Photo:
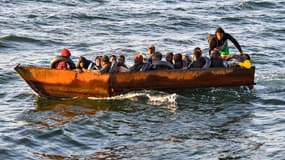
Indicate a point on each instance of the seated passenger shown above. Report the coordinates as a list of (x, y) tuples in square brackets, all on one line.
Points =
[(198, 61), (97, 65), (138, 62), (186, 60), (242, 61), (157, 64), (159, 55), (216, 60), (150, 52), (113, 61), (84, 64), (177, 61), (106, 65), (64, 61), (121, 66), (169, 57)]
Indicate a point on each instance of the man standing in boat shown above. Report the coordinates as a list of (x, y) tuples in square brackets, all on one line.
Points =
[(219, 42)]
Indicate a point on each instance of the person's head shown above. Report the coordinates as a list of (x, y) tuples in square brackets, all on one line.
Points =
[(246, 56), (121, 59), (98, 61), (177, 58), (197, 53), (214, 53), (159, 55), (177, 61), (185, 58), (112, 58), (169, 57), (65, 52), (219, 33), (82, 62), (104, 60), (155, 58), (138, 58), (150, 49)]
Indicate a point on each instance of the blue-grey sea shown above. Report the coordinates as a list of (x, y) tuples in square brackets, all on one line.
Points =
[(211, 123)]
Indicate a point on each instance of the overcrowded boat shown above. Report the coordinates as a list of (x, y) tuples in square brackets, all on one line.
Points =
[(46, 82)]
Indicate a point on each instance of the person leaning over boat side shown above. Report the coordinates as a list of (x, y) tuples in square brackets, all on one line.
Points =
[(216, 60), (242, 61), (198, 61), (64, 61), (138, 62), (84, 64), (121, 66), (219, 41), (106, 65)]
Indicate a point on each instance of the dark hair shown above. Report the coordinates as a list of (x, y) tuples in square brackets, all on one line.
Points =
[(98, 57), (115, 57), (178, 63), (220, 30), (105, 58), (159, 55), (214, 53), (177, 57), (122, 56), (197, 52), (247, 55), (84, 61)]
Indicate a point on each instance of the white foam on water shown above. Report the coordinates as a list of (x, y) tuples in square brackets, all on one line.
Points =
[(154, 98), (130, 95), (167, 101)]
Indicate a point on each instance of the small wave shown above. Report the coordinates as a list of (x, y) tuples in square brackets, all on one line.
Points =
[(232, 19), (3, 45), (11, 39), (15, 38), (91, 17), (6, 77), (256, 4)]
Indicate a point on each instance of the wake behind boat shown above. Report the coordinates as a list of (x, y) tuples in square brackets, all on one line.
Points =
[(56, 83)]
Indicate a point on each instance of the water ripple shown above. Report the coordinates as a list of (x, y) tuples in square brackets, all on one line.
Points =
[(221, 123)]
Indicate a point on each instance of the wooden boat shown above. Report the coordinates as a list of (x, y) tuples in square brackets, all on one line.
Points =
[(70, 83)]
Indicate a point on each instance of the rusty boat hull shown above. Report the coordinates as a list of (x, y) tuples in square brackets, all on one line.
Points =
[(70, 83)]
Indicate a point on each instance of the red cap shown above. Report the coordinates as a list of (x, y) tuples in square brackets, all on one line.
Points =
[(65, 52)]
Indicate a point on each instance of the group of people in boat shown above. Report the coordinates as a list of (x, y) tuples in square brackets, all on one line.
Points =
[(218, 52)]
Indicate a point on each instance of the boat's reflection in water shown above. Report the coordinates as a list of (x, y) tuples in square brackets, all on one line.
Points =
[(58, 112)]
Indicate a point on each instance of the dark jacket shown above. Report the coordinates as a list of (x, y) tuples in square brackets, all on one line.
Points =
[(136, 67), (215, 43), (199, 63), (217, 63), (105, 68)]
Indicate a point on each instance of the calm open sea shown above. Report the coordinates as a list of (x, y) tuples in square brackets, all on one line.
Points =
[(211, 123)]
